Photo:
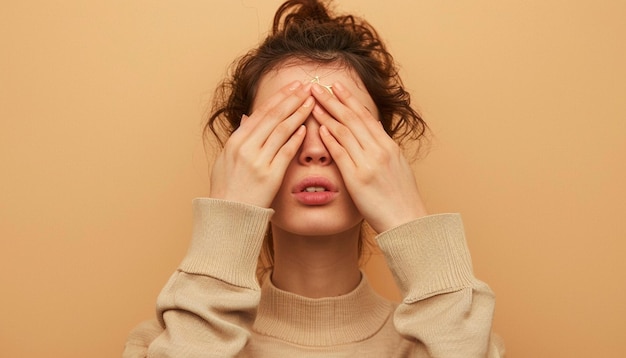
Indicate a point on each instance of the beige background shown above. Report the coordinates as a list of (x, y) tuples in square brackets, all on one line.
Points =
[(100, 156)]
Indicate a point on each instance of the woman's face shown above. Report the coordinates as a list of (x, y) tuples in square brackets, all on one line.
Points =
[(313, 199)]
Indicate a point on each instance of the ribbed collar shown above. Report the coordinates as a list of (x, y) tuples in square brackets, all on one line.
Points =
[(353, 317)]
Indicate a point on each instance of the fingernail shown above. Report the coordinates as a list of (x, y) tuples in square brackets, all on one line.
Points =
[(295, 85), (317, 109), (309, 102), (338, 86), (318, 89)]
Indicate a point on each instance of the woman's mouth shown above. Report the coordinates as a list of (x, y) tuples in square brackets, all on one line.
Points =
[(315, 191)]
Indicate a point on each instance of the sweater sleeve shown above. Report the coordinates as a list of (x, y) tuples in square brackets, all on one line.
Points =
[(444, 306), (207, 307)]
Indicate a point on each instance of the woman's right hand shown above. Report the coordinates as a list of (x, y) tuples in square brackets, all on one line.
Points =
[(251, 166)]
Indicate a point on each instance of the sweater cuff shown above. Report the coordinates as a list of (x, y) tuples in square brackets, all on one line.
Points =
[(428, 256), (226, 241)]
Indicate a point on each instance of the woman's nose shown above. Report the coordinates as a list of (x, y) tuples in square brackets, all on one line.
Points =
[(313, 150)]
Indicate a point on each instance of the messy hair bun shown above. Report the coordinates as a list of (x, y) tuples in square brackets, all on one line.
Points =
[(307, 30)]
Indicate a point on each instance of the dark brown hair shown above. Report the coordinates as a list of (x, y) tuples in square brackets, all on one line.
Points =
[(306, 30)]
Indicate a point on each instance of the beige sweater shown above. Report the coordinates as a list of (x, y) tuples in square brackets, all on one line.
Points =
[(213, 306)]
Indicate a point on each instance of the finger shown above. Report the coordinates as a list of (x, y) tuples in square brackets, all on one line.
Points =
[(288, 151), (339, 153), (341, 134), (272, 101), (367, 118), (248, 123), (345, 96), (354, 118), (277, 109), (282, 133)]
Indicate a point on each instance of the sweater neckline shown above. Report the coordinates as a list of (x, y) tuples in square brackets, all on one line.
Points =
[(348, 318)]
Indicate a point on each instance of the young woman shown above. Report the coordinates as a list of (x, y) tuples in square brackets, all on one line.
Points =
[(313, 119)]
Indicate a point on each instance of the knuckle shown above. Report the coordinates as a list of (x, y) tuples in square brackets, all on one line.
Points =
[(274, 112), (302, 110), (282, 129), (350, 116), (366, 175), (381, 156), (258, 171), (342, 131), (362, 112)]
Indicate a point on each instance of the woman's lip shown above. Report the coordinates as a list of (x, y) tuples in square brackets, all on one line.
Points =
[(315, 197), (314, 181)]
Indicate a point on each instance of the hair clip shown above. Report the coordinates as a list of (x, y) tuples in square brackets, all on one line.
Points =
[(329, 88)]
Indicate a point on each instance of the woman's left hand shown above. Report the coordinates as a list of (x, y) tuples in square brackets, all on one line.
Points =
[(376, 173)]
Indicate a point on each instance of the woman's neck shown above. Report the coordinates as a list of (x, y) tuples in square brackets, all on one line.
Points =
[(316, 266)]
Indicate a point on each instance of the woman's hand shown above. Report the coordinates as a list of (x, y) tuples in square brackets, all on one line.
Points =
[(251, 166), (376, 173)]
